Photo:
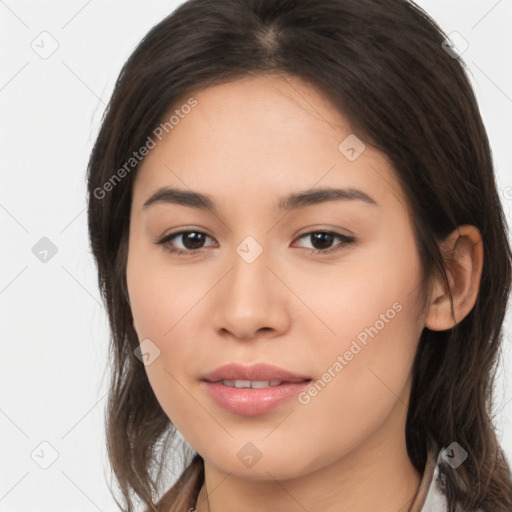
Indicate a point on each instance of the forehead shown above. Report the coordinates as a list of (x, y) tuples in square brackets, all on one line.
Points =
[(265, 113), (257, 135)]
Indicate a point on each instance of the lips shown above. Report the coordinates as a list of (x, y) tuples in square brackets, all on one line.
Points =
[(251, 390), (256, 372)]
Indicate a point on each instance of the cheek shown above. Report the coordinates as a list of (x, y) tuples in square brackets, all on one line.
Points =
[(364, 376), (161, 311), (163, 302), (160, 294), (374, 293), (371, 311), (165, 313)]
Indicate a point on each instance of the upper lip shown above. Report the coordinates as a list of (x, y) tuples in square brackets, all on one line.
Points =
[(255, 372)]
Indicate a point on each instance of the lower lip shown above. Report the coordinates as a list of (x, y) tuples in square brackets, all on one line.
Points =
[(251, 402)]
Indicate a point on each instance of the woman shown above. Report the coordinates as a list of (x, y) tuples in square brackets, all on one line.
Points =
[(352, 373)]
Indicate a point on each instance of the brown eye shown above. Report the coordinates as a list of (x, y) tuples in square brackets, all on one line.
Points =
[(191, 241), (322, 241)]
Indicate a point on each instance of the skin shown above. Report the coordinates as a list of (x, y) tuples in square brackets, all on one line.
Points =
[(247, 144)]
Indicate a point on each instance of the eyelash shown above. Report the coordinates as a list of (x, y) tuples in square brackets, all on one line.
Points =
[(346, 240)]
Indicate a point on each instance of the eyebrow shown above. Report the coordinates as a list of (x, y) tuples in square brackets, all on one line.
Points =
[(294, 201)]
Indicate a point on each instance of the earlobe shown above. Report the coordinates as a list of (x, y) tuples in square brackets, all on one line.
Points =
[(463, 254)]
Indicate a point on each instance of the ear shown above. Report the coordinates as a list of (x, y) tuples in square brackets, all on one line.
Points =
[(463, 253)]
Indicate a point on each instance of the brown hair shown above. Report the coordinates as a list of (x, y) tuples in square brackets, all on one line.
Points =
[(383, 64)]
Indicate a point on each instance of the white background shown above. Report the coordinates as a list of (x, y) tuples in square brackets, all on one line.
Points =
[(54, 327)]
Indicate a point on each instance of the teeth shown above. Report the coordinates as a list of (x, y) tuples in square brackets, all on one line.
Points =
[(251, 383)]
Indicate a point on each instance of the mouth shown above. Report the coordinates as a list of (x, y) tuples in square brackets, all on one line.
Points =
[(252, 390)]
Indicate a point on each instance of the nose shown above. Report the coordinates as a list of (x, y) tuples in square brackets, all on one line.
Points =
[(252, 298)]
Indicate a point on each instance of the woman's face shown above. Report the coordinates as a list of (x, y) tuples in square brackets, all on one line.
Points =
[(249, 287)]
